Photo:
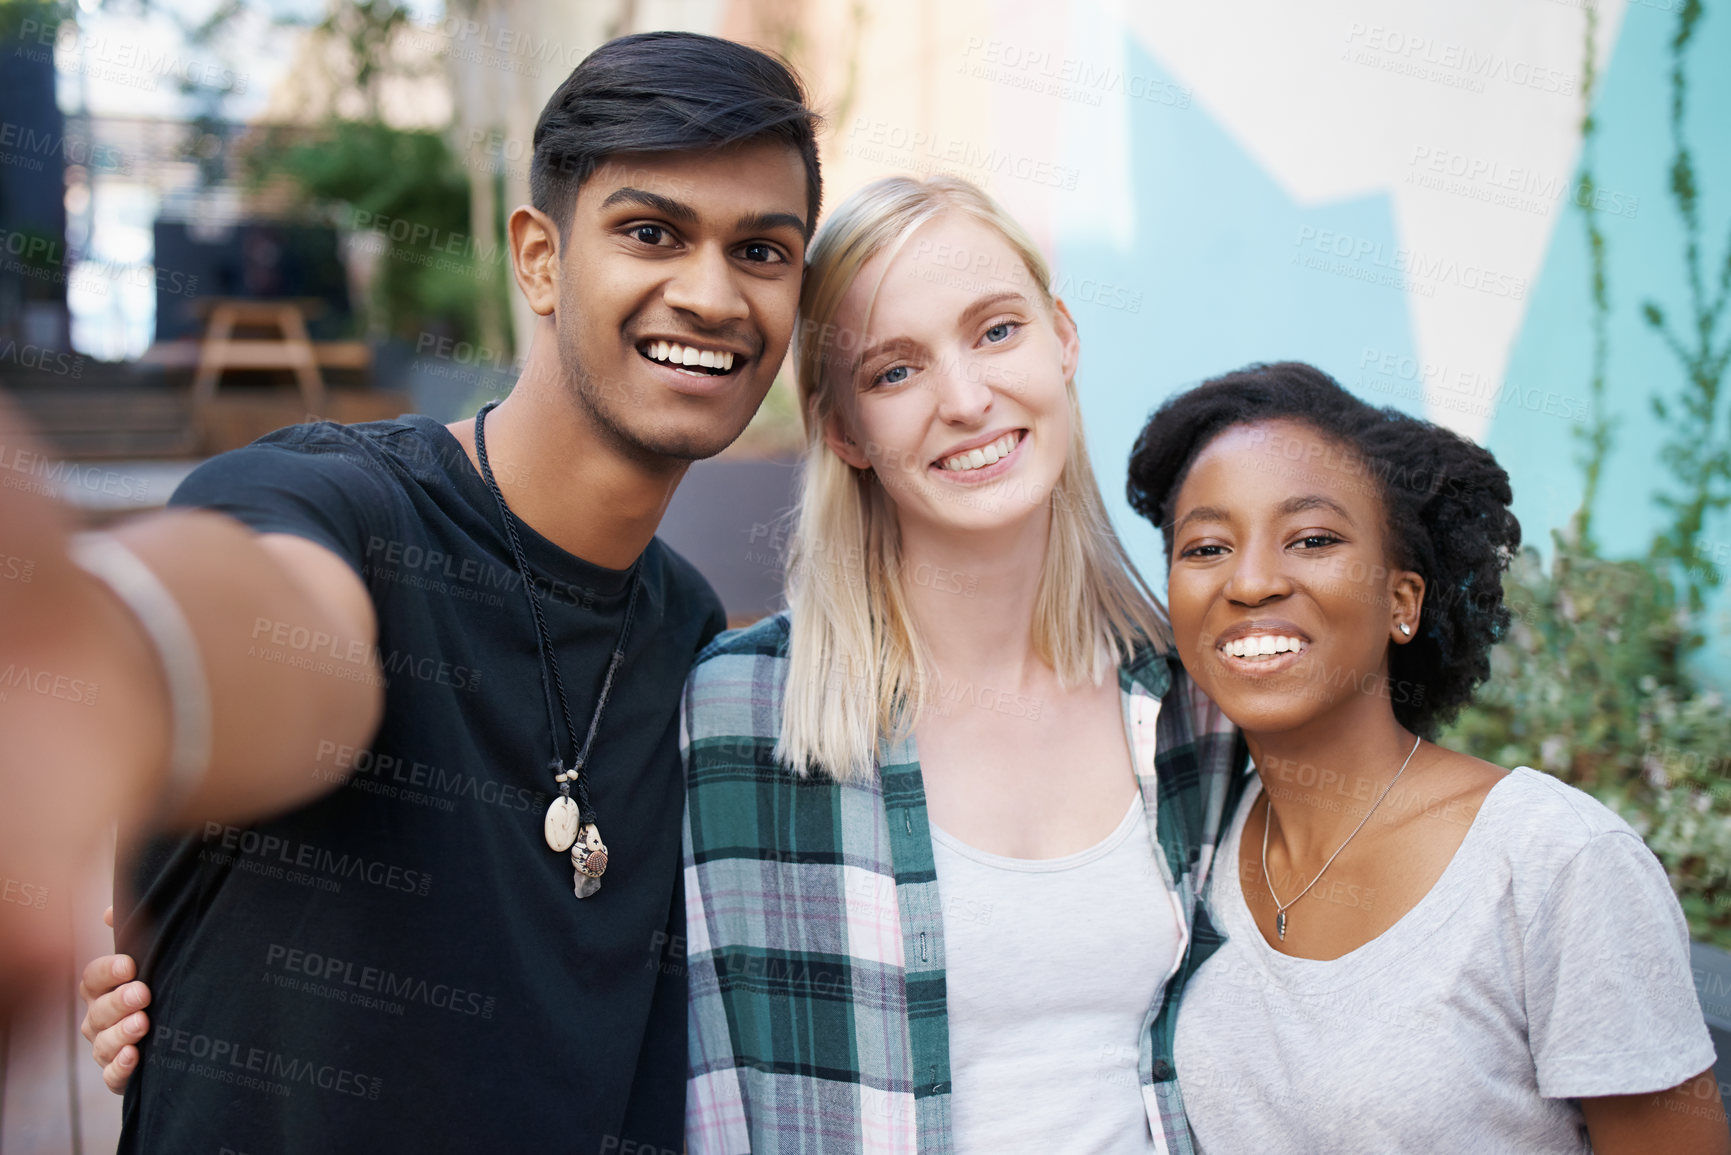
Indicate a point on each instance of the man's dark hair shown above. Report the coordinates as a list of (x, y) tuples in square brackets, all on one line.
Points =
[(667, 92), (1446, 500)]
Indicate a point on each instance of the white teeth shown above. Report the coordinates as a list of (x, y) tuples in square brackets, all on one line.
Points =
[(1262, 646), (677, 354), (983, 456)]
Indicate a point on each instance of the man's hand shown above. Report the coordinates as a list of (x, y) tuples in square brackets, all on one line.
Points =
[(115, 1019)]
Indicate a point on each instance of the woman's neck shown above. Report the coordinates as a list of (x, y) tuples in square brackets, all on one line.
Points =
[(1321, 778), (972, 596)]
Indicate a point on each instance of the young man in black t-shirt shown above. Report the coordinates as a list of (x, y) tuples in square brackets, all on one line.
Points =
[(399, 960)]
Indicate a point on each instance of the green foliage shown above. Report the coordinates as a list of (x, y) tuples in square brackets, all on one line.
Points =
[(1696, 452), (405, 197), (1590, 685), (40, 14), (1593, 683), (401, 194), (365, 29), (1595, 439)]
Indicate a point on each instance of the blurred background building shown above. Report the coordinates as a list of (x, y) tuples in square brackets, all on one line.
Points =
[(1510, 216)]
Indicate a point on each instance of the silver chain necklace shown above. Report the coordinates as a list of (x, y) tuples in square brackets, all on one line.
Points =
[(1280, 908)]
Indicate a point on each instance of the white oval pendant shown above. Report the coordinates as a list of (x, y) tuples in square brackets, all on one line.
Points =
[(560, 825)]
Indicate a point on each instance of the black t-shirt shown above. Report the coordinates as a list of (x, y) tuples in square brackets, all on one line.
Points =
[(401, 965)]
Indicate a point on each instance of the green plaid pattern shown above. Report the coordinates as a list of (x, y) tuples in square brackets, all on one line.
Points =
[(813, 924)]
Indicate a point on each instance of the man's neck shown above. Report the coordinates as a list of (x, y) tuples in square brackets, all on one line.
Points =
[(562, 476)]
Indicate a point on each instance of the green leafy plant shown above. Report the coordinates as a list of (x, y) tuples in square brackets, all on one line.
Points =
[(1590, 685), (401, 194), (1593, 683), (404, 194), (1697, 451), (1596, 437)]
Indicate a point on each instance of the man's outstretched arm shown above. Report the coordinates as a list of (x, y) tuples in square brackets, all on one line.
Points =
[(241, 595), (86, 707)]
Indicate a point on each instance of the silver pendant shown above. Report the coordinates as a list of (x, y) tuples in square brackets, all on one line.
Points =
[(560, 825), (589, 858), (1280, 925)]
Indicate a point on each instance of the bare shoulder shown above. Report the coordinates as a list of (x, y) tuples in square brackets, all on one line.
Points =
[(1455, 785), (1471, 773)]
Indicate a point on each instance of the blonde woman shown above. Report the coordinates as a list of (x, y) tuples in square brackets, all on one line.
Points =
[(949, 814)]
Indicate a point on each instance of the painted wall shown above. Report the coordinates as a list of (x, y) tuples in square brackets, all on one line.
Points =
[(1384, 190), (1644, 250)]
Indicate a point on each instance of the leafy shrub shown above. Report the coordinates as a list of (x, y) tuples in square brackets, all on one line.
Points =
[(406, 198), (1591, 685)]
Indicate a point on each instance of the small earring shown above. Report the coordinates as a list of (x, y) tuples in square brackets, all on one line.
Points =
[(1406, 629)]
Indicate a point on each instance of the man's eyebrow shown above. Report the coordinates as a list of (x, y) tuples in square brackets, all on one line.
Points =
[(1311, 501), (668, 207), (1202, 513), (770, 222)]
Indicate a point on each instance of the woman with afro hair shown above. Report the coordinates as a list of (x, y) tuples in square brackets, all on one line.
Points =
[(1425, 952)]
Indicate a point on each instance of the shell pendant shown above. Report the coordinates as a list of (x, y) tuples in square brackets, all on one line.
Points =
[(589, 857), (1280, 925)]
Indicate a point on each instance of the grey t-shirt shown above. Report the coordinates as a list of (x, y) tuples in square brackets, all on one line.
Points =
[(1549, 963)]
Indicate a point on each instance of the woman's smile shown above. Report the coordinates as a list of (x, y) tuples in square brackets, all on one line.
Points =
[(982, 458), (1261, 648)]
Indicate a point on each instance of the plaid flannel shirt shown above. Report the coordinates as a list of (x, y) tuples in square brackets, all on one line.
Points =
[(814, 930)]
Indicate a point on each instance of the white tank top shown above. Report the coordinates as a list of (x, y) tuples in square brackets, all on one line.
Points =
[(1052, 966)]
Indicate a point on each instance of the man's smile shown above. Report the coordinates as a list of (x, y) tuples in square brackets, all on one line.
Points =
[(692, 359)]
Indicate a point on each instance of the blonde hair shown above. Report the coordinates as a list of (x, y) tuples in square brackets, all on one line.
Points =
[(858, 672)]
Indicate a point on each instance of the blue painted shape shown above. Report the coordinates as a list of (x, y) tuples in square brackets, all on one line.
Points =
[(1644, 251), (1215, 280)]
